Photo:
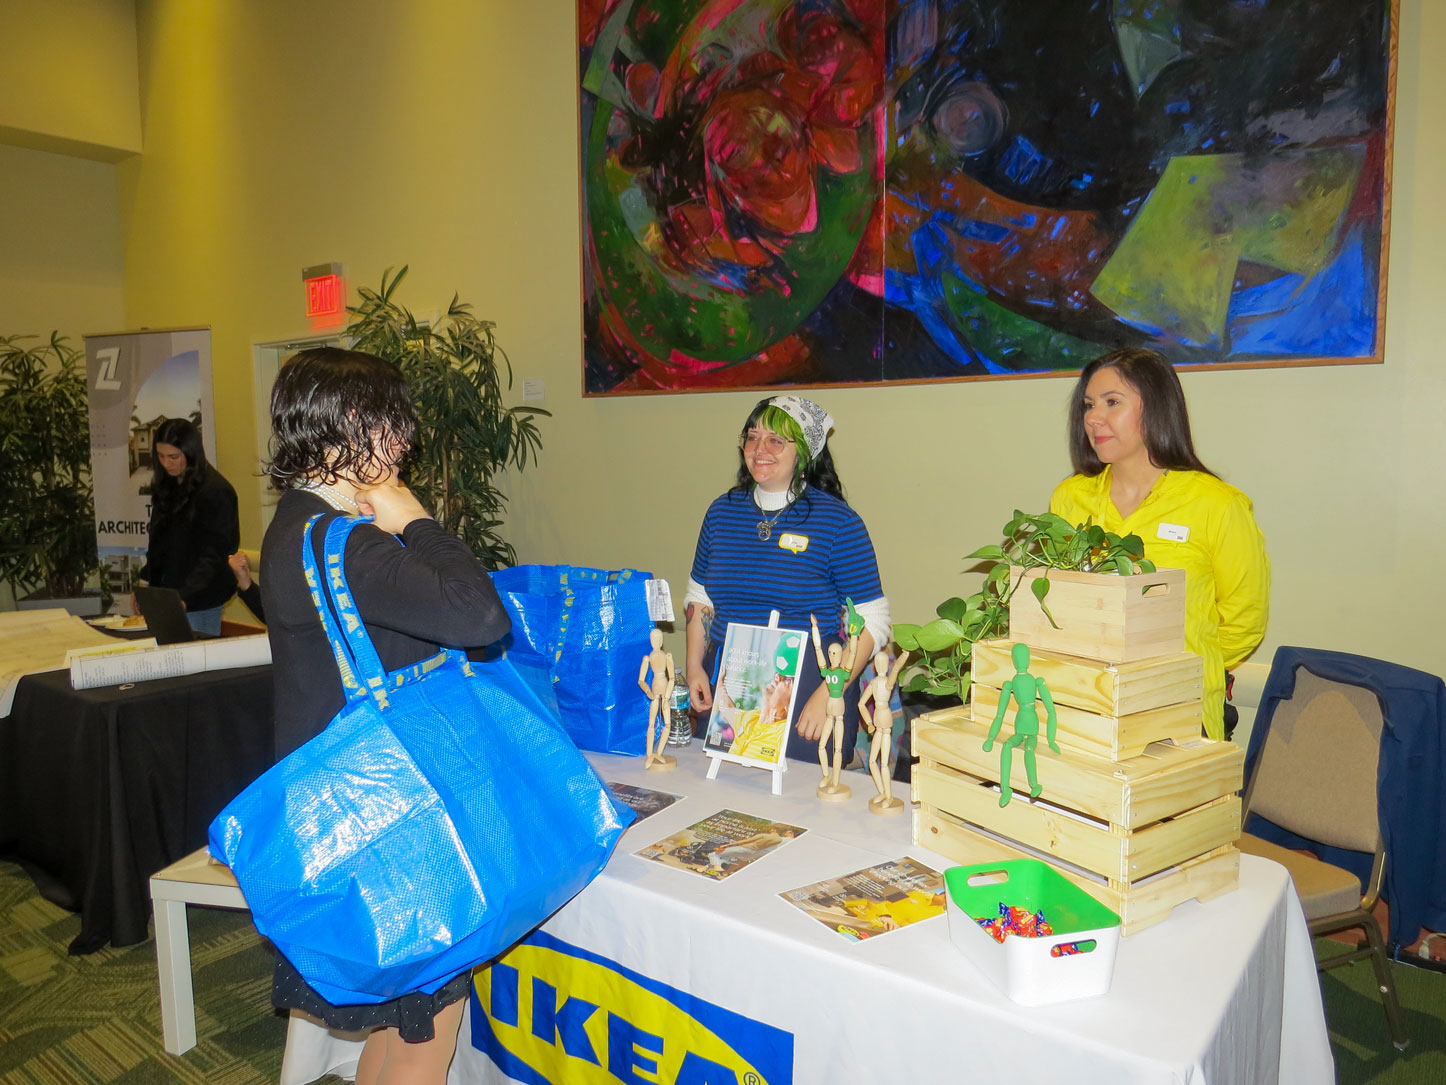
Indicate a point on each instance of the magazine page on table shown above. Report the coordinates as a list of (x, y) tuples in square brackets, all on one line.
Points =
[(722, 844), (873, 901), (644, 802), (754, 694)]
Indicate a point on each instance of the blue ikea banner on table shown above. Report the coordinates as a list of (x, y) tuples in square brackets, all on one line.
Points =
[(550, 1013), (578, 638)]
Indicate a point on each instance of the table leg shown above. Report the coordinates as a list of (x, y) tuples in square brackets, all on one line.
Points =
[(173, 962)]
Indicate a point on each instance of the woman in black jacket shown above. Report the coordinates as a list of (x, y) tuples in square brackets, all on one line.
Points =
[(194, 526)]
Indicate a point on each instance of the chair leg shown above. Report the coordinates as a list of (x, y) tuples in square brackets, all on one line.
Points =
[(1394, 1022)]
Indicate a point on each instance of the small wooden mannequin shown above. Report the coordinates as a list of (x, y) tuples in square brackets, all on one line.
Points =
[(836, 670), (660, 695), (881, 723)]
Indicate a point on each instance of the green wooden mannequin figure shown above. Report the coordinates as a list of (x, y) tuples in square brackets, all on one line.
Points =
[(1026, 689)]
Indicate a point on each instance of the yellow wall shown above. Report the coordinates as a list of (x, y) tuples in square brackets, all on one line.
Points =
[(444, 135), (70, 77), (61, 265)]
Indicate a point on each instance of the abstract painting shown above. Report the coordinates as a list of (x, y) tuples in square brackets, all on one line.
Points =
[(853, 192)]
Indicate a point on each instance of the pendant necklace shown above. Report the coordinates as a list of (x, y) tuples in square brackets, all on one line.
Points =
[(765, 525), (335, 498)]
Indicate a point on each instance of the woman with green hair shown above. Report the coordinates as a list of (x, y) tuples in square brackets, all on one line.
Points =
[(783, 538)]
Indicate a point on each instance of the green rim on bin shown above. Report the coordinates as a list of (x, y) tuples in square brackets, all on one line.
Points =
[(1029, 884)]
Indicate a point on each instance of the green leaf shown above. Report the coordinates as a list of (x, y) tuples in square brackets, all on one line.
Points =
[(986, 553), (907, 636), (939, 635), (1146, 565), (953, 609)]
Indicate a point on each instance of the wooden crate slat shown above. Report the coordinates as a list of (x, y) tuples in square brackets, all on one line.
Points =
[(1110, 689), (1102, 616), (1163, 780), (1139, 905), (1096, 846), (1115, 737)]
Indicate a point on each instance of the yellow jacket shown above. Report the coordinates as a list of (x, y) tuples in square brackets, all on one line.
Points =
[(1196, 522)]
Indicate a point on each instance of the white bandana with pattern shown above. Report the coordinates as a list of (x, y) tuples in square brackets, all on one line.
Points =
[(811, 418)]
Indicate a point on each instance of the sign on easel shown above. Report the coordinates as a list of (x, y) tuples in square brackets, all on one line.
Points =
[(754, 693)]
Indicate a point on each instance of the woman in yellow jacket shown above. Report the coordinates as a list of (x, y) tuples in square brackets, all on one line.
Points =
[(1136, 472)]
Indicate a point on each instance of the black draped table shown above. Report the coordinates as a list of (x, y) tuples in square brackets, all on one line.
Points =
[(100, 788)]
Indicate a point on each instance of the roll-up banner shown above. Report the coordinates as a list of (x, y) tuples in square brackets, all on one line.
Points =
[(137, 380)]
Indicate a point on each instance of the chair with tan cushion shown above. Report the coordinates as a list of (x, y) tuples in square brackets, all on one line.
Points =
[(1315, 776)]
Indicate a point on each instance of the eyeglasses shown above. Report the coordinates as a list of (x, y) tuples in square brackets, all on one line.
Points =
[(771, 443)]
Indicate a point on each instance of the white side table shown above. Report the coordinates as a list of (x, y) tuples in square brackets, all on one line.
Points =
[(192, 880)]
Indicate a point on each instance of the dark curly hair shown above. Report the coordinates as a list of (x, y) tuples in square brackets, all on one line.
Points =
[(1164, 421), (337, 412), (815, 470)]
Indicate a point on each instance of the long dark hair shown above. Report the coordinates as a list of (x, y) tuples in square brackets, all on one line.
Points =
[(169, 496), (814, 470), (1164, 419), (337, 412)]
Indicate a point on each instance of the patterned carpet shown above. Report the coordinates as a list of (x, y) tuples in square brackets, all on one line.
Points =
[(95, 1020)]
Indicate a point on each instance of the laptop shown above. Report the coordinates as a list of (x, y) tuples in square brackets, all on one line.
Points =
[(165, 615)]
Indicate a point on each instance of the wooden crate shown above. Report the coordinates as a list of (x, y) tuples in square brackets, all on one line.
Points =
[(1138, 830), (1111, 689), (1113, 737), (1102, 615), (1139, 904)]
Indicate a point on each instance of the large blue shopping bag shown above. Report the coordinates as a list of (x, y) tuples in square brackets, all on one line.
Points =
[(439, 817), (578, 636)]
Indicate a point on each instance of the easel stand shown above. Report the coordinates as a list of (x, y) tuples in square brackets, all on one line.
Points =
[(717, 758)]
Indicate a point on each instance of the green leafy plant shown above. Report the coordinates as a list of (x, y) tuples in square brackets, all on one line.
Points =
[(47, 507), (467, 437), (944, 646)]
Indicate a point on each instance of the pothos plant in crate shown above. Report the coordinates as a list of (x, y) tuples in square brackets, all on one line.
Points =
[(943, 647)]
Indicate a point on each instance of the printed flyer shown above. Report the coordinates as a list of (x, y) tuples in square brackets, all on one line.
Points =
[(875, 900), (754, 692), (643, 801), (721, 844)]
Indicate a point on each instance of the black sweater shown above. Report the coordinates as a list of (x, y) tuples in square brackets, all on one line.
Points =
[(414, 598), (188, 549)]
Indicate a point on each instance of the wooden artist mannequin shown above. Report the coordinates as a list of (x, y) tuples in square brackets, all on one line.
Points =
[(660, 695), (835, 671), (881, 723)]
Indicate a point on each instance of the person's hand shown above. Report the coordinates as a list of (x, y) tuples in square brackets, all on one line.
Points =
[(240, 569), (391, 505), (699, 691), (814, 717)]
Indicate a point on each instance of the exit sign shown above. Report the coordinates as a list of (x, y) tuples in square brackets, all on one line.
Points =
[(325, 294)]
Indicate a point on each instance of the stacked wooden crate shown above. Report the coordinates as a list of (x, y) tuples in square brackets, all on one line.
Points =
[(1137, 808)]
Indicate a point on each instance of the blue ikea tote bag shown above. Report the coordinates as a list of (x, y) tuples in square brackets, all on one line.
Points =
[(439, 817)]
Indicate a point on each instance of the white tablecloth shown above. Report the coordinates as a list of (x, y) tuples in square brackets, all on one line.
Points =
[(1224, 992)]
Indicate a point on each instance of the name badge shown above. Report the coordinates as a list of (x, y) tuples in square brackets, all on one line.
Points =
[(789, 541), (1172, 532)]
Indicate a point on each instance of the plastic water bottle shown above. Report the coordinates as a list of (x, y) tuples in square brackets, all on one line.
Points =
[(680, 724)]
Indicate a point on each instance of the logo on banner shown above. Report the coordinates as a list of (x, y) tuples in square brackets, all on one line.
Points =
[(549, 1012)]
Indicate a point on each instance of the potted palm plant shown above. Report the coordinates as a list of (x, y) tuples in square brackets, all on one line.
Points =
[(467, 437), (47, 509)]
